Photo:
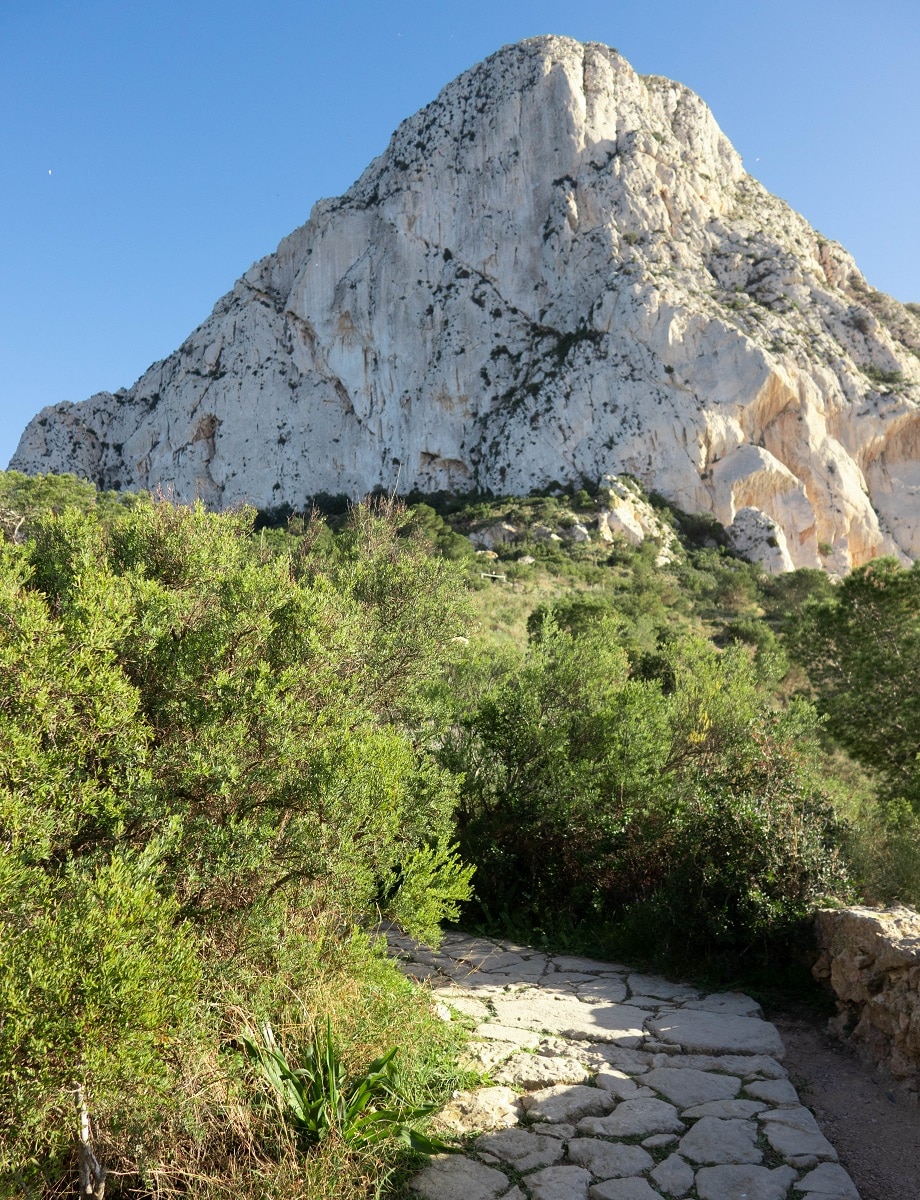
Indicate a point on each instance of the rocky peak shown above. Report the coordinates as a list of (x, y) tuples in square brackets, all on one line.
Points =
[(557, 270)]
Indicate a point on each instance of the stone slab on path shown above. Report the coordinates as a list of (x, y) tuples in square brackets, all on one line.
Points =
[(658, 1092), (699, 1031), (565, 1014)]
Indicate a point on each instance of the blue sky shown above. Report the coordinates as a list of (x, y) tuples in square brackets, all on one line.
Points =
[(151, 150)]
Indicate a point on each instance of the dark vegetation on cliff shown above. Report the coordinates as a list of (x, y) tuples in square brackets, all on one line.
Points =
[(227, 751)]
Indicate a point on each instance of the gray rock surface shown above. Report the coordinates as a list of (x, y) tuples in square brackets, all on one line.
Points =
[(613, 1080), (606, 1160), (774, 1091), (794, 1133), (744, 1183), (745, 1109), (456, 1177), (566, 1103), (531, 1071), (700, 1031), (558, 269), (673, 1176), (635, 1118), (623, 1189), (524, 1151), (559, 1183), (488, 1108), (827, 1179), (685, 1086), (720, 1140), (546, 1009)]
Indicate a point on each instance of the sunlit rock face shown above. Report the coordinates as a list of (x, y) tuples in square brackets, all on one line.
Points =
[(557, 270)]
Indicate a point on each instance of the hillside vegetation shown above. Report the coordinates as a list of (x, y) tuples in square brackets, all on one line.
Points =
[(231, 746)]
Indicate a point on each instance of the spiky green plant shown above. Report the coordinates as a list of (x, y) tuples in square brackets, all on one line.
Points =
[(318, 1099)]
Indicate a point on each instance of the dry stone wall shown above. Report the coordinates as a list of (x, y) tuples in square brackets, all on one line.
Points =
[(871, 960)]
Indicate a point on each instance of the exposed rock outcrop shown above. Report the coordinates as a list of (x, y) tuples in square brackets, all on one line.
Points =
[(557, 269), (626, 514)]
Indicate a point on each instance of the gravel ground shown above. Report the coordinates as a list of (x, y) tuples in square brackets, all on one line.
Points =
[(875, 1131)]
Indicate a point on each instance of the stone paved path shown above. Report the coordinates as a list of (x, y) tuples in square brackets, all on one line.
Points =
[(614, 1085)]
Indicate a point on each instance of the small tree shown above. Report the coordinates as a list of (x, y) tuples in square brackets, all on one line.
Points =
[(861, 649)]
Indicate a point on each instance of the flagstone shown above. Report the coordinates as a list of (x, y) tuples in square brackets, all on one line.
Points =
[(750, 1182), (523, 1150), (567, 1103), (827, 1180), (715, 1140), (685, 1086), (635, 1118), (774, 1091), (608, 1160), (456, 1177), (708, 1032), (559, 1183), (674, 1175)]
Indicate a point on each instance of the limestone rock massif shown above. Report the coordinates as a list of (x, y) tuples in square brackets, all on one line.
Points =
[(557, 270)]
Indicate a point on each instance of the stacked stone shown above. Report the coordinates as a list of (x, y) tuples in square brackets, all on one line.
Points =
[(871, 960), (614, 1085)]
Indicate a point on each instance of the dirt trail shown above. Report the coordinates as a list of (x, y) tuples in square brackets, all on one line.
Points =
[(875, 1131)]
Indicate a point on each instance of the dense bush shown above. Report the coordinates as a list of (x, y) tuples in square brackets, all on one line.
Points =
[(672, 804), (205, 752)]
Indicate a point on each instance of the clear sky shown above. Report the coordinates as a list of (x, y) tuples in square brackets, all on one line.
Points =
[(151, 150)]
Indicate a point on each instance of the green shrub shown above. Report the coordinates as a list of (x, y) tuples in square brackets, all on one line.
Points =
[(201, 744), (594, 794), (98, 988)]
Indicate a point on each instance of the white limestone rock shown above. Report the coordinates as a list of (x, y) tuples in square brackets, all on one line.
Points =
[(524, 1151), (775, 1091), (486, 1109), (721, 1140), (561, 1104), (673, 1176), (533, 1071), (557, 270), (685, 1086), (828, 1179), (626, 514), (623, 1189), (545, 1009), (500, 534), (794, 1133), (606, 1160), (761, 539), (704, 1032), (637, 1117), (559, 1183)]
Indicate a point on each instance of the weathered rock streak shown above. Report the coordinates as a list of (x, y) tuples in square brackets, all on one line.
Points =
[(558, 269)]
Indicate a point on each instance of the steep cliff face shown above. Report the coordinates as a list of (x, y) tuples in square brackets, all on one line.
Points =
[(557, 270)]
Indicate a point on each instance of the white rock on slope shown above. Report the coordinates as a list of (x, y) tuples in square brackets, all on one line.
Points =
[(557, 269)]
